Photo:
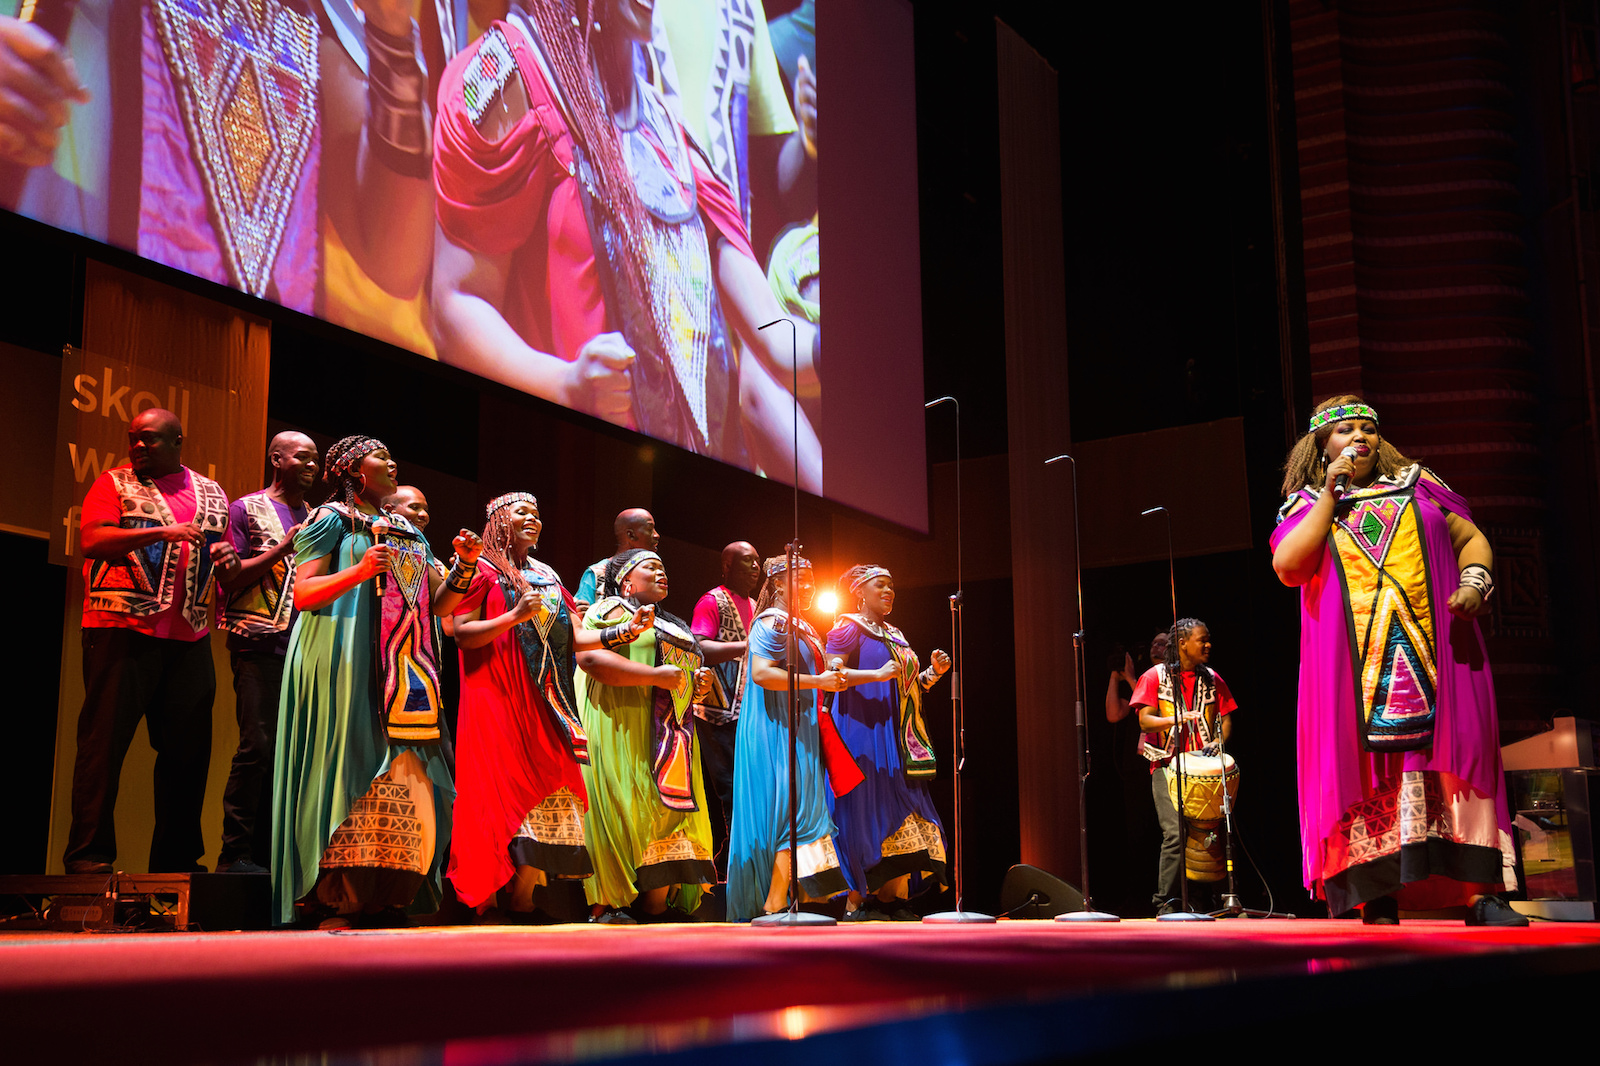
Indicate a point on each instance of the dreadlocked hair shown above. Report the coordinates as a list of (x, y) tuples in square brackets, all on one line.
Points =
[(1307, 459), (500, 548), (341, 469), (567, 35), (1175, 636)]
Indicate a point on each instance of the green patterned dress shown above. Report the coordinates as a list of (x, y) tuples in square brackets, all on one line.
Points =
[(637, 841), (345, 801)]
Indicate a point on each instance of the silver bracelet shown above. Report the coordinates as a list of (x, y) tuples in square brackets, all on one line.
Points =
[(1477, 576)]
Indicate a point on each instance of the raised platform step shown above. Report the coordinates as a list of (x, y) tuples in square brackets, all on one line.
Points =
[(197, 902)]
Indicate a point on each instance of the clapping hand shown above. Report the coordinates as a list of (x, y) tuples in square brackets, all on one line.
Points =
[(940, 663), (644, 618), (527, 605), (468, 546), (702, 683), (223, 555)]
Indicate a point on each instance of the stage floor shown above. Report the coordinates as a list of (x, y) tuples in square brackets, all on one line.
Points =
[(1017, 991)]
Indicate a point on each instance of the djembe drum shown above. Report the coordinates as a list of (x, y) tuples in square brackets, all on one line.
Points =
[(1204, 778)]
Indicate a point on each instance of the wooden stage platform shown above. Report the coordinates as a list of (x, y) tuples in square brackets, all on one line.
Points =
[(1018, 991)]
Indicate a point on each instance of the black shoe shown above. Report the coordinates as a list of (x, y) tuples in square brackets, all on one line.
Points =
[(1492, 910), (240, 866), (89, 866), (388, 918), (613, 916), (902, 913), (1381, 911)]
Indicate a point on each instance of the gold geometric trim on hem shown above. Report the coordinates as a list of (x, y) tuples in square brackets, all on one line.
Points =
[(675, 848), (915, 834), (391, 825), (558, 819)]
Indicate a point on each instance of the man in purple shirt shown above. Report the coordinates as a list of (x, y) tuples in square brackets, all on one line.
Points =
[(724, 614), (257, 613)]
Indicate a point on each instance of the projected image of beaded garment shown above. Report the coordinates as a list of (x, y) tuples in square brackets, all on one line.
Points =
[(647, 827), (1401, 792), (890, 839), (361, 792), (520, 797), (565, 183), (222, 137)]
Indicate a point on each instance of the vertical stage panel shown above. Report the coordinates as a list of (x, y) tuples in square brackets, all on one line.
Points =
[(1416, 276), (1045, 601), (149, 345)]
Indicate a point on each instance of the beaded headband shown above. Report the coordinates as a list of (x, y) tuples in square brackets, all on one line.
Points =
[(507, 500), (356, 450), (633, 564), (780, 563), (872, 572), (1340, 413)]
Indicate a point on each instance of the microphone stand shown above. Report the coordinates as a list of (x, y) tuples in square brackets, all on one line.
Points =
[(957, 705), (794, 916), (1179, 729), (1089, 913)]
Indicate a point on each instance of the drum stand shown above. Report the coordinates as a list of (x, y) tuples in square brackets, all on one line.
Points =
[(1231, 907)]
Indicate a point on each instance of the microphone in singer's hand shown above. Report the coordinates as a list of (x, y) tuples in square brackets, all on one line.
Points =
[(380, 535), (1341, 484)]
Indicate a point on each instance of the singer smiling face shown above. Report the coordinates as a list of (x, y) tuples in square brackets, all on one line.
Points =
[(1362, 435)]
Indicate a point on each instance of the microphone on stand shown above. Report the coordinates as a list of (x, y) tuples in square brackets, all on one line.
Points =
[(380, 535), (1341, 484)]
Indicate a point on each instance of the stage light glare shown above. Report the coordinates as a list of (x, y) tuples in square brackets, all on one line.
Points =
[(828, 602)]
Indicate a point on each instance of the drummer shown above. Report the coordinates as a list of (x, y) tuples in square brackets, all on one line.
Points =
[(1202, 709)]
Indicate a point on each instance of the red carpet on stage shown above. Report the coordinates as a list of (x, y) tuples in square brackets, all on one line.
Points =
[(483, 995)]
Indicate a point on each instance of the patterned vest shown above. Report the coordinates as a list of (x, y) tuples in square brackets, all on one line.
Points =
[(265, 607), (1169, 701), (144, 582), (727, 695)]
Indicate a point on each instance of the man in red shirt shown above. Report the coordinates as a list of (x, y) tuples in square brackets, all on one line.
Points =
[(152, 532), (1204, 707)]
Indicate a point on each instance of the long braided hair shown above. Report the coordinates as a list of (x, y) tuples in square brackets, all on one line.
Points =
[(566, 30), (775, 578), (342, 470), (500, 538), (1307, 460)]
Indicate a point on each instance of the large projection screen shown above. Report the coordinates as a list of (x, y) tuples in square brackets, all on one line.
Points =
[(597, 202)]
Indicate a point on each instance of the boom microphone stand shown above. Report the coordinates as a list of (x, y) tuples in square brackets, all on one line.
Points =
[(957, 703), (1184, 915), (1089, 913), (794, 916)]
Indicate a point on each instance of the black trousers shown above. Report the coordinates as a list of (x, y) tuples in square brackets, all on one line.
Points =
[(716, 762), (247, 798), (170, 684), (1170, 871)]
